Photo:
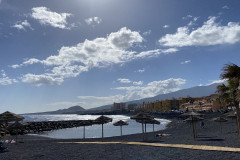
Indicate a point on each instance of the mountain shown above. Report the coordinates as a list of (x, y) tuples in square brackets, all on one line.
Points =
[(70, 110), (198, 91)]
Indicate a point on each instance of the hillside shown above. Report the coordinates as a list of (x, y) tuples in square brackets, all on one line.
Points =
[(70, 110), (197, 91)]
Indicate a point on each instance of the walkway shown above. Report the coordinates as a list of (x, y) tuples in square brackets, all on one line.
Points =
[(197, 147)]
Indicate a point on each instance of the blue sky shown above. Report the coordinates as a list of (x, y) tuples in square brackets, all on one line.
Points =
[(56, 54)]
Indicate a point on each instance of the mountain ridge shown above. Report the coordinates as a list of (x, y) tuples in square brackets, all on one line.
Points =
[(197, 91)]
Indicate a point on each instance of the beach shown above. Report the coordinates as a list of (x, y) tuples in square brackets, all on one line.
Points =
[(178, 132)]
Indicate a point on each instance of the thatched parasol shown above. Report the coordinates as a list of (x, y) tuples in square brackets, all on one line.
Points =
[(152, 121), (85, 123), (120, 123), (102, 120), (193, 118), (16, 126), (9, 117), (220, 120), (142, 118)]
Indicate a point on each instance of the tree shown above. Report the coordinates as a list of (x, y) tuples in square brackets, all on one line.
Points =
[(231, 72)]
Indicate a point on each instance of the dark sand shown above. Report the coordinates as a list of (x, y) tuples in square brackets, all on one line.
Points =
[(35, 147)]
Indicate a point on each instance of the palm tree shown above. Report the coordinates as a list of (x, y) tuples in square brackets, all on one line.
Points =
[(231, 72)]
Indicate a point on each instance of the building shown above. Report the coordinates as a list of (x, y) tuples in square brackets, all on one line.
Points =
[(118, 106)]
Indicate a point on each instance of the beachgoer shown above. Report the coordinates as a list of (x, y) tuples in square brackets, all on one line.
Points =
[(2, 147), (201, 124)]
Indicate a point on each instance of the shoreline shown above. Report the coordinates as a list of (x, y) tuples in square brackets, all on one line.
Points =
[(35, 147)]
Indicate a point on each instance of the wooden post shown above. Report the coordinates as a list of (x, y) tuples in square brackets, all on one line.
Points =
[(193, 128), (102, 130), (83, 132), (121, 130), (5, 131)]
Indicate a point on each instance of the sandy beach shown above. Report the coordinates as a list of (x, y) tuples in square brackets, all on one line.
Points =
[(35, 147)]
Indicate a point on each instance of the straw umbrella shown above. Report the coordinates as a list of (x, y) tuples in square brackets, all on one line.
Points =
[(153, 121), (142, 118), (220, 120), (193, 120), (85, 123), (9, 117), (120, 123), (102, 120), (16, 126)]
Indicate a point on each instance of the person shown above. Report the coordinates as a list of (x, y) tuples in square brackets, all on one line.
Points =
[(201, 124), (2, 147)]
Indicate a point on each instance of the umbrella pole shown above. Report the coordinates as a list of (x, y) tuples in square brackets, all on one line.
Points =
[(143, 130), (145, 127), (121, 130), (153, 127), (83, 132), (221, 126), (102, 130), (193, 129), (5, 131), (16, 136)]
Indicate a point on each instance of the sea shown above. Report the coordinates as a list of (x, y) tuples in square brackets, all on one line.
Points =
[(94, 131)]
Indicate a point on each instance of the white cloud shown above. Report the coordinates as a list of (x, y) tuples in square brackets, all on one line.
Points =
[(187, 17), (22, 25), (124, 80), (46, 17), (210, 33), (124, 38), (217, 81), (93, 21), (185, 62), (141, 70), (225, 7), (152, 89), (73, 60), (5, 80), (156, 52), (134, 92), (166, 26), (139, 83), (147, 33), (96, 53)]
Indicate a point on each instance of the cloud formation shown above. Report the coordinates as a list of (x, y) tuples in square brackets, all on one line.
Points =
[(22, 25), (46, 17), (185, 62), (93, 21), (124, 80), (5, 80), (166, 26), (96, 53), (210, 33), (135, 92), (225, 7), (152, 89)]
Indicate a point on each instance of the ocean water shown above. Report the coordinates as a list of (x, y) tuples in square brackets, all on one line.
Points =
[(94, 131)]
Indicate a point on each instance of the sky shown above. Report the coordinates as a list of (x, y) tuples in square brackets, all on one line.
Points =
[(57, 54)]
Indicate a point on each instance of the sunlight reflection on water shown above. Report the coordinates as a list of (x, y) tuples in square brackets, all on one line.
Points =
[(93, 131)]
